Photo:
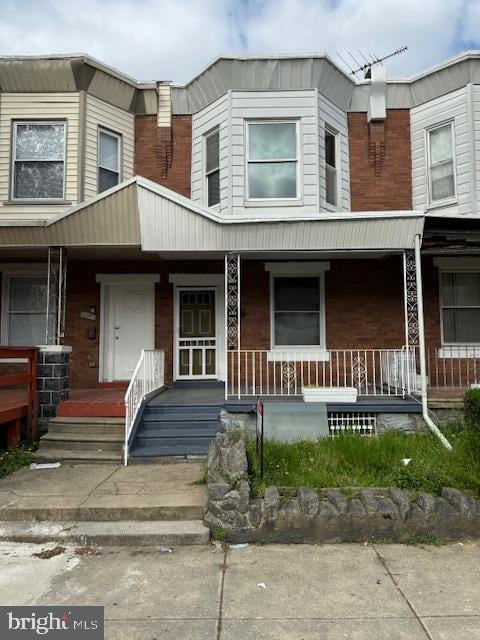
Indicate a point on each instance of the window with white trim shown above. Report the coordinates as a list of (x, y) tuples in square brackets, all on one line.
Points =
[(460, 307), (331, 166), (272, 160), (38, 157), (108, 159), (25, 309), (212, 167), (297, 314), (441, 166)]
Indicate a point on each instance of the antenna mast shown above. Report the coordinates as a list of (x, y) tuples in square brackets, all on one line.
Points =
[(367, 66)]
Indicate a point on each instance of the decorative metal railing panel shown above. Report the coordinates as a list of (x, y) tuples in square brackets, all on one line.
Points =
[(373, 372), (149, 375)]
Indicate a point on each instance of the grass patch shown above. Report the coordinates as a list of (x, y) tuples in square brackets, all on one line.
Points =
[(422, 539), (353, 461), (14, 459)]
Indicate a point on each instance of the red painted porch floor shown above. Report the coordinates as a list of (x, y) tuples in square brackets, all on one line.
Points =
[(94, 403)]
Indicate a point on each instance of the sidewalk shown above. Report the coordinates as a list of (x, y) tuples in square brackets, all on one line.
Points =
[(273, 592)]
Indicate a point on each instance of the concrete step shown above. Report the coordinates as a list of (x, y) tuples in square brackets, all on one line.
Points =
[(82, 442), (121, 533), (176, 448), (70, 456), (87, 425), (108, 508), (194, 408)]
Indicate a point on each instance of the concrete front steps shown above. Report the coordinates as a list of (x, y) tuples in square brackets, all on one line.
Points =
[(82, 440), (122, 533)]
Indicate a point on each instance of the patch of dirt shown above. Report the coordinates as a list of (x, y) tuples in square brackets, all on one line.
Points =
[(86, 551), (49, 553)]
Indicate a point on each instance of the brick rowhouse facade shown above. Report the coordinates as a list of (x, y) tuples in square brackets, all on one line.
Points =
[(363, 298)]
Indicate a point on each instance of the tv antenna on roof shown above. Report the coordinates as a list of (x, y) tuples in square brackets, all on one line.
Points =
[(368, 63)]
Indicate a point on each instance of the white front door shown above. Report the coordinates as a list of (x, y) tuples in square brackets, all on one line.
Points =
[(129, 327)]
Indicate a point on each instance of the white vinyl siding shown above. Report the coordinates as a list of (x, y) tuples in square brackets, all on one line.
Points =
[(453, 108), (34, 107), (333, 118), (276, 105), (215, 116), (100, 114)]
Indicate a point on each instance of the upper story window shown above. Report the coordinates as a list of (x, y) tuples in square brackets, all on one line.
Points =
[(441, 166), (38, 160), (108, 159), (272, 160), (460, 306), (212, 167), (331, 167)]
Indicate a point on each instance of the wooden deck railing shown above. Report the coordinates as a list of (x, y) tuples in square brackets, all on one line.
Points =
[(18, 392)]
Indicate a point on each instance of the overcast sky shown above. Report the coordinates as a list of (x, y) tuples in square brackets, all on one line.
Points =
[(175, 39)]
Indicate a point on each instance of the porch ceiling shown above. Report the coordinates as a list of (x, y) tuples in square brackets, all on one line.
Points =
[(144, 214)]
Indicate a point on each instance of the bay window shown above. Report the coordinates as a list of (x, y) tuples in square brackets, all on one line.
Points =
[(212, 167), (108, 159), (38, 154), (460, 307), (330, 166), (272, 160), (441, 166)]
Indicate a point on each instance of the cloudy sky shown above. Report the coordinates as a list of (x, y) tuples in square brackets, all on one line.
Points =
[(175, 39)]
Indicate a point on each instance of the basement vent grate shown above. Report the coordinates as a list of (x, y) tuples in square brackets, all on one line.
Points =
[(363, 424)]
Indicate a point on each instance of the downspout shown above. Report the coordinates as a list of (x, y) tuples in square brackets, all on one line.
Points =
[(423, 360)]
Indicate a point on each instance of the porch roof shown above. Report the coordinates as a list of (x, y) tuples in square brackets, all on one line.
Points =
[(141, 213)]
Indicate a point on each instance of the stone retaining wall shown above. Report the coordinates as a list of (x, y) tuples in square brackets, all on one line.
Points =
[(330, 515)]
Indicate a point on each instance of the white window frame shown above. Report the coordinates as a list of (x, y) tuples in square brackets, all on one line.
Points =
[(297, 160), (118, 136), (29, 272), (298, 270), (332, 131), (450, 199), (451, 347), (206, 173), (15, 124)]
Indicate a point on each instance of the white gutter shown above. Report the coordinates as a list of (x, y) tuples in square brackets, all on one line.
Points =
[(423, 360)]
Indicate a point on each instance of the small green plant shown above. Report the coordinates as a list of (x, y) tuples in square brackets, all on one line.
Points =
[(471, 405), (14, 459), (203, 475), (220, 534), (423, 539)]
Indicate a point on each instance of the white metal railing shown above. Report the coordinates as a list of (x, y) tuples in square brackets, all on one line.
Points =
[(373, 372), (148, 376), (453, 367)]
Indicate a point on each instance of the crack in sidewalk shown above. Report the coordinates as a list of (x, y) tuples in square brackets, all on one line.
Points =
[(383, 562), (220, 604)]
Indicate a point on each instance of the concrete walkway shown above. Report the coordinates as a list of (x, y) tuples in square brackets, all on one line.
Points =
[(271, 592), (103, 492)]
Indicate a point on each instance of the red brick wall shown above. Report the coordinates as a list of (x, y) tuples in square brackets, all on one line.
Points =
[(389, 185), (364, 306), (164, 155)]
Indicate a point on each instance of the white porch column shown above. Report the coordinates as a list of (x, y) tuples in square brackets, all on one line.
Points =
[(232, 320), (56, 289)]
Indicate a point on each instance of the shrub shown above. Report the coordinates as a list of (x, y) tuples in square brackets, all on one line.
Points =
[(471, 404)]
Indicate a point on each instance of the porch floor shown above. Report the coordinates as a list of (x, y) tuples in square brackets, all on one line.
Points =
[(98, 403)]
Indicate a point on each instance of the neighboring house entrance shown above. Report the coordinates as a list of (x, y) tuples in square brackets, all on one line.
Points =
[(127, 323), (199, 331)]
